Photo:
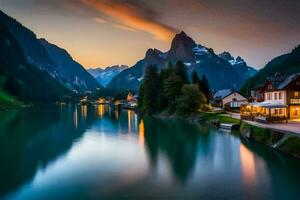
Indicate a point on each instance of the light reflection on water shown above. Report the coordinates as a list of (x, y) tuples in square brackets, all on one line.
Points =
[(95, 152)]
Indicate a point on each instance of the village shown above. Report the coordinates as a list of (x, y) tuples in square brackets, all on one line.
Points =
[(274, 105)]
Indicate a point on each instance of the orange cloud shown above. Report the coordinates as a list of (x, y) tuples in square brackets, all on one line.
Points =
[(99, 20), (126, 28), (129, 15)]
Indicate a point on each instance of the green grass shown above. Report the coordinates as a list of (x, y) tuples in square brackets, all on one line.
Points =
[(7, 101), (258, 134), (208, 116)]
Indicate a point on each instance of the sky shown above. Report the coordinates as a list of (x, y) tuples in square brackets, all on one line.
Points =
[(100, 33)]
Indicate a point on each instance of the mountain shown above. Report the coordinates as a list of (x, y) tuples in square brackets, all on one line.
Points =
[(74, 75), (49, 58), (286, 64), (104, 76), (222, 71), (34, 84), (33, 51)]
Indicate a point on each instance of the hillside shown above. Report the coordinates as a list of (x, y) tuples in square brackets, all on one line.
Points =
[(222, 71), (74, 75), (49, 58), (286, 64), (35, 84)]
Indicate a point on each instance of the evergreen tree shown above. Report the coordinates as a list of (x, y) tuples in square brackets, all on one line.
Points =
[(141, 95), (172, 89), (195, 78), (180, 70), (170, 65), (204, 87), (12, 86), (150, 90)]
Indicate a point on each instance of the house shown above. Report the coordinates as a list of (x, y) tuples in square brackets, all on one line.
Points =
[(257, 94), (229, 98), (281, 96), (131, 98), (131, 102)]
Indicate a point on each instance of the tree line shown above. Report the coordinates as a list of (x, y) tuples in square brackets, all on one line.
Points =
[(172, 91)]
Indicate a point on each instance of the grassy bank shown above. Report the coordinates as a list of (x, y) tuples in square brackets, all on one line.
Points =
[(273, 139), (265, 136), (203, 117)]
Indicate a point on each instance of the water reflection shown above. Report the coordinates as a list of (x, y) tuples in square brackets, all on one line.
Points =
[(142, 133), (248, 167), (93, 152)]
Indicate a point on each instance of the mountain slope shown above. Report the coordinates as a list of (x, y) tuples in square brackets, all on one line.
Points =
[(35, 84), (73, 74), (286, 64), (53, 60), (104, 76), (34, 52), (221, 71)]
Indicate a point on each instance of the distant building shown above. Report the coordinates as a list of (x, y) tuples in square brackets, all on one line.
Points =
[(281, 99), (131, 102), (228, 98), (130, 97)]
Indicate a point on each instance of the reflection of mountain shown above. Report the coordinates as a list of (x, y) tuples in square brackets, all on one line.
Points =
[(177, 140), (37, 144)]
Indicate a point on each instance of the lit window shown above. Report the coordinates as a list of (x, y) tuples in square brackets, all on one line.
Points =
[(296, 94)]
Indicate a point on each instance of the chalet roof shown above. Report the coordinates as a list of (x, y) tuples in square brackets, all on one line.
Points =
[(276, 80), (221, 94), (279, 82), (287, 81)]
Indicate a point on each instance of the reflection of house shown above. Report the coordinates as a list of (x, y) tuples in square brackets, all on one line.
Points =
[(228, 98), (281, 99)]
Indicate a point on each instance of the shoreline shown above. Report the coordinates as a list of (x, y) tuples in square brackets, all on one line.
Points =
[(288, 143)]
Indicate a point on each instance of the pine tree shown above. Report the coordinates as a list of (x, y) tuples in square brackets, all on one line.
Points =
[(172, 89), (180, 70), (195, 78), (204, 87), (150, 89)]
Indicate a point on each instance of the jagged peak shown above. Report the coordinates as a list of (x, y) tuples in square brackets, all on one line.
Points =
[(151, 55), (182, 36), (182, 33), (239, 59), (226, 56)]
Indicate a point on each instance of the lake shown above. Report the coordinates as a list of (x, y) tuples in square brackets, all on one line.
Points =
[(82, 152)]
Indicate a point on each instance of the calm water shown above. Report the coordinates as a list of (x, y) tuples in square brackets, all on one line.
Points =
[(93, 153)]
